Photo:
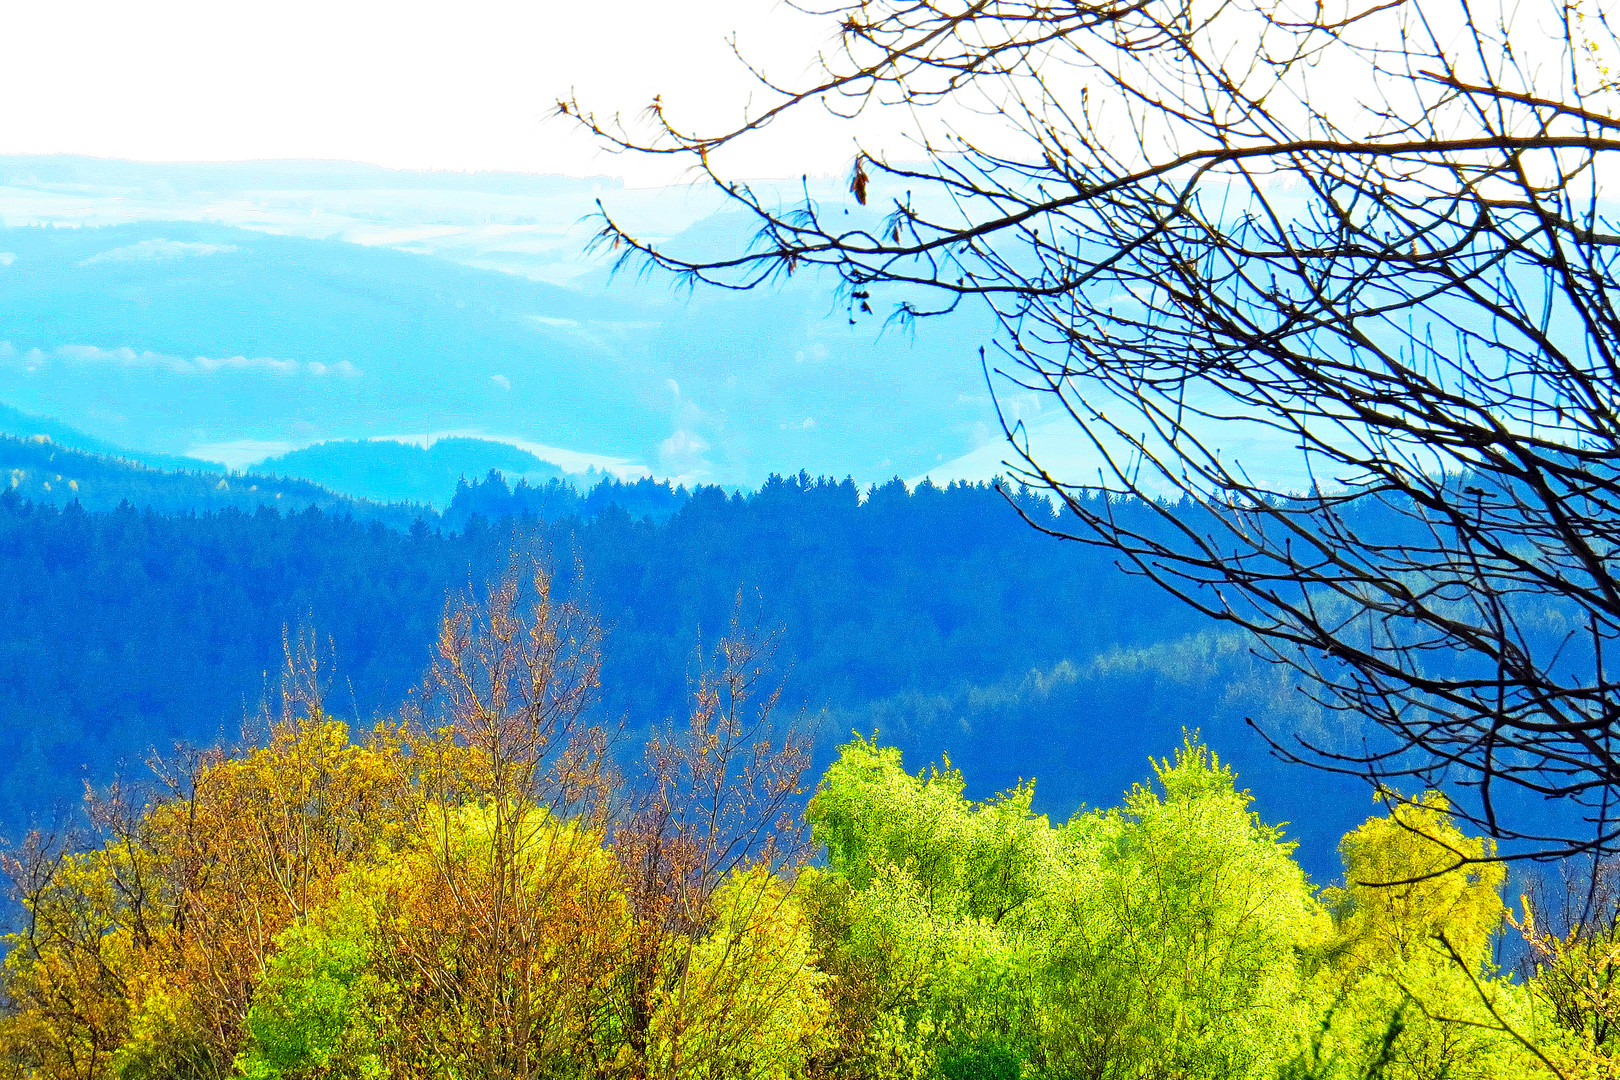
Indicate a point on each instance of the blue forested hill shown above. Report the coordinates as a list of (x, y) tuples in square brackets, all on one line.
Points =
[(935, 616), (38, 470), (383, 472), (386, 470), (26, 426), (41, 470)]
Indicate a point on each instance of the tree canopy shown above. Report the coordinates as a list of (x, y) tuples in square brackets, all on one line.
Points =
[(400, 905)]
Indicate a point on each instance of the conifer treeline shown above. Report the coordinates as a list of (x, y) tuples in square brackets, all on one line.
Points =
[(129, 629)]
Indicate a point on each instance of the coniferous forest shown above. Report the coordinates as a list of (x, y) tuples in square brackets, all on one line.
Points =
[(935, 617)]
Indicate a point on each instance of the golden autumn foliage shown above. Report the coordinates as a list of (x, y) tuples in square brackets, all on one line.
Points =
[(453, 894)]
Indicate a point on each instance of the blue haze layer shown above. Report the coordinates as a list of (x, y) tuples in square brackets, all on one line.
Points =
[(238, 312)]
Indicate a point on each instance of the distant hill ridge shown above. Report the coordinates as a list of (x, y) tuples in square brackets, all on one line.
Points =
[(24, 425), (39, 470), (387, 470), (347, 475)]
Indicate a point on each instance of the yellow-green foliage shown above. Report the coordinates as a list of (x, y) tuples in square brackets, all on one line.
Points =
[(322, 908), (1410, 956), (750, 1001), (1163, 936), (1183, 934), (1415, 883), (1576, 977)]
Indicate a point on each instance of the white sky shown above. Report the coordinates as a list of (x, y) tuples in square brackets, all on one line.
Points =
[(463, 85)]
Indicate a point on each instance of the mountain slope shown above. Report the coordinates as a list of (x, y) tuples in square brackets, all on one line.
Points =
[(240, 312), (37, 470), (386, 470), (21, 425)]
